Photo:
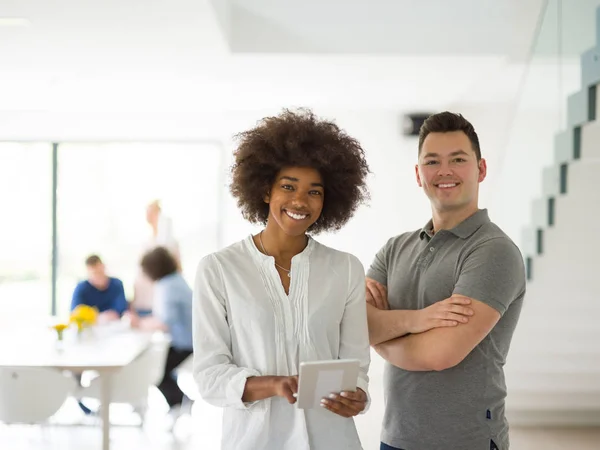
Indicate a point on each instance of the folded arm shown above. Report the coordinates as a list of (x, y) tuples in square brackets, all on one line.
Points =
[(440, 348), (492, 272), (385, 325)]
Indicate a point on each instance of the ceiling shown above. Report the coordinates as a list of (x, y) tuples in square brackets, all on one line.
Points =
[(398, 27), (220, 55)]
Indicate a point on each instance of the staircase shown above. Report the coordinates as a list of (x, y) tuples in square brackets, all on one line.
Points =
[(553, 369)]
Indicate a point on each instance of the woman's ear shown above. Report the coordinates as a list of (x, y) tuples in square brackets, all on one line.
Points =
[(267, 197)]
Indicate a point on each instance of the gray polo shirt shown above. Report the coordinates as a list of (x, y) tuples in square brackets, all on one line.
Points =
[(461, 408)]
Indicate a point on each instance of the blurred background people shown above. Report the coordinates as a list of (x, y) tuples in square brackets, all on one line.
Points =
[(100, 291), (172, 314), (161, 235)]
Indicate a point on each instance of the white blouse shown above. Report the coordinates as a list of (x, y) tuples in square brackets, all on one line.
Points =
[(245, 325)]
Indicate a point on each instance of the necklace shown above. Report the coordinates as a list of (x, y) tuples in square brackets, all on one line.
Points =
[(289, 272)]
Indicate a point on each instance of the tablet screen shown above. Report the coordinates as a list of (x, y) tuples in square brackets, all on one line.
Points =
[(320, 378)]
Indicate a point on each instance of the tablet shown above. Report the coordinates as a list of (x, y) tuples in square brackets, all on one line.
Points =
[(318, 379)]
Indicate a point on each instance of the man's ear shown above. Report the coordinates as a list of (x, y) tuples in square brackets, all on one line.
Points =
[(482, 170), (418, 175)]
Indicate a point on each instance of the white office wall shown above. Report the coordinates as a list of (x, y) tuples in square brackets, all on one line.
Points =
[(516, 151)]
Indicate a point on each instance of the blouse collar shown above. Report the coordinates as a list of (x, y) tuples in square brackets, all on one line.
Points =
[(262, 258)]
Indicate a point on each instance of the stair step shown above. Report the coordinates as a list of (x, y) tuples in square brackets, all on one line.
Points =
[(531, 416), (563, 146), (553, 295), (551, 181), (590, 140), (547, 364), (536, 323), (545, 313), (555, 361), (581, 141), (539, 213), (556, 178), (590, 67), (535, 343), (528, 240), (577, 108), (582, 178), (535, 381), (566, 271), (552, 400)]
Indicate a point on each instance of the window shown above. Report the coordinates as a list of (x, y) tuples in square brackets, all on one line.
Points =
[(26, 230), (103, 190)]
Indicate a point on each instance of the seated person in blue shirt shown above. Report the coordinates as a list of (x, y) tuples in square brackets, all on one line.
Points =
[(101, 291), (172, 313)]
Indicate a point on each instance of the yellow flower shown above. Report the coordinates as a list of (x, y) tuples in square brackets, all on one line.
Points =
[(84, 315), (60, 327)]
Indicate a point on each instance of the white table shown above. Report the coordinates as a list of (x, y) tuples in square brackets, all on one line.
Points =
[(104, 350)]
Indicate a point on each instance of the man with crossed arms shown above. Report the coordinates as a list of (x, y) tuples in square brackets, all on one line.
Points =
[(443, 303)]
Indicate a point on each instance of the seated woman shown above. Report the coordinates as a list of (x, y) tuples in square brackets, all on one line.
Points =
[(278, 298), (172, 313)]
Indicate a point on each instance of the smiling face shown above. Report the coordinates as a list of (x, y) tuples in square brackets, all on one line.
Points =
[(296, 199), (448, 171)]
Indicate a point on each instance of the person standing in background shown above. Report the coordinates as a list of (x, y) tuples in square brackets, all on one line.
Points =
[(162, 236)]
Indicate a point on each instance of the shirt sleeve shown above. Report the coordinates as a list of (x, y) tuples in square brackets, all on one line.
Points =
[(165, 305), (379, 267), (120, 304), (220, 382), (493, 273), (354, 333), (77, 296)]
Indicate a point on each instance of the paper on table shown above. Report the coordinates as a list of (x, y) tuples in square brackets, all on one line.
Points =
[(328, 382)]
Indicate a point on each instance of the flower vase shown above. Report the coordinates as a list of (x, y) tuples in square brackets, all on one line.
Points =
[(59, 344)]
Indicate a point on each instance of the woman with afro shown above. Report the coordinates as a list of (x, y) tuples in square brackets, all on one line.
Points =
[(265, 304)]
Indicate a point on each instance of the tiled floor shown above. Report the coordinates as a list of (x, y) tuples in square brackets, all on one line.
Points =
[(84, 438), (202, 432), (555, 439)]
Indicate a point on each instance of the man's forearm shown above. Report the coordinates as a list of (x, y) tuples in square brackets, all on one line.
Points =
[(428, 351), (385, 325), (405, 353)]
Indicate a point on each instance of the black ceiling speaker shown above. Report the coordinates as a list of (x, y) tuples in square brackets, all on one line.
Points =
[(411, 123)]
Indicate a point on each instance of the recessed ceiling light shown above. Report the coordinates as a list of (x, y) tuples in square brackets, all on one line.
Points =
[(14, 22)]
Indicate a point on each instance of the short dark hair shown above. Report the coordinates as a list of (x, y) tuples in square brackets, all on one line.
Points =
[(446, 122), (300, 139), (158, 263), (92, 260)]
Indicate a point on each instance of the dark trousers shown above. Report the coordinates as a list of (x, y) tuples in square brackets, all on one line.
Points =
[(168, 386), (388, 447)]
